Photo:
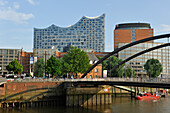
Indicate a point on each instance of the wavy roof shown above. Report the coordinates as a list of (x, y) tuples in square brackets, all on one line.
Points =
[(71, 25)]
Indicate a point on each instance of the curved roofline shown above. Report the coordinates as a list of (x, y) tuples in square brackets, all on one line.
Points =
[(132, 25), (94, 17), (73, 24)]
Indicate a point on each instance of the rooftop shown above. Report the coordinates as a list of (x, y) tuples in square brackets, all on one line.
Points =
[(133, 26)]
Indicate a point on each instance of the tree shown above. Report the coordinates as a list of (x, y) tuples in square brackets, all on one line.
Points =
[(39, 67), (129, 72), (153, 67), (113, 61), (104, 64), (15, 67), (76, 61), (53, 66)]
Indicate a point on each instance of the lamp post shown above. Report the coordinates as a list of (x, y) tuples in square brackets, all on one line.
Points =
[(45, 63)]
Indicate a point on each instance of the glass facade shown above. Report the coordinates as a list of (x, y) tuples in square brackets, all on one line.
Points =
[(162, 54), (87, 33)]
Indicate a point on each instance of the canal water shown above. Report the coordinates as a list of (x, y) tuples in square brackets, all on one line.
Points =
[(119, 105)]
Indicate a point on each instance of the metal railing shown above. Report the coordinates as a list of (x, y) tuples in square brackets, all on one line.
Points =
[(137, 79)]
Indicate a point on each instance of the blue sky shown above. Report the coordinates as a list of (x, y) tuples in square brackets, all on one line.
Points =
[(19, 17)]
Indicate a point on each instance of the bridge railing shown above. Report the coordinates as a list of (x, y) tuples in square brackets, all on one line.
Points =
[(139, 79), (125, 79)]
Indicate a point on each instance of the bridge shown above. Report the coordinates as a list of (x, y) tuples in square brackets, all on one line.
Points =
[(137, 82), (76, 92), (127, 46)]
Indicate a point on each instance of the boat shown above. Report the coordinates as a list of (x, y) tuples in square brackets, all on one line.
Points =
[(163, 93), (148, 96)]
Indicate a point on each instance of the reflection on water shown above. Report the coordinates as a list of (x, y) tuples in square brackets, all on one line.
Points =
[(119, 105)]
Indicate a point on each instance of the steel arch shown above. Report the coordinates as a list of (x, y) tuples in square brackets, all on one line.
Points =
[(140, 53), (124, 47)]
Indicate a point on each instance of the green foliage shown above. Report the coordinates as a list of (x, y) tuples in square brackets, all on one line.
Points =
[(129, 72), (28, 75), (39, 68), (76, 61), (15, 67), (104, 64), (53, 66), (153, 67), (113, 61)]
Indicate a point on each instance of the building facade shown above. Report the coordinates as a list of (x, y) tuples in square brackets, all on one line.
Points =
[(130, 32), (6, 56), (87, 33), (137, 64), (24, 59)]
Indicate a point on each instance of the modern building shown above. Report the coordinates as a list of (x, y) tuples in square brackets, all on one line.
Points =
[(137, 64), (6, 56), (87, 33), (130, 32)]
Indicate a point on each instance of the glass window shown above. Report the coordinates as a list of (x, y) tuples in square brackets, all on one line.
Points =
[(116, 31), (5, 51), (95, 70), (90, 76)]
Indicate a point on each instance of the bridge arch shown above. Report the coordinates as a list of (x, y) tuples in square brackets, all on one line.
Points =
[(138, 54), (26, 91), (124, 47)]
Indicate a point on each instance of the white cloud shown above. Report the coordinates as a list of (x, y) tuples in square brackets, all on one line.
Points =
[(3, 2), (16, 5), (31, 2), (8, 11), (12, 15)]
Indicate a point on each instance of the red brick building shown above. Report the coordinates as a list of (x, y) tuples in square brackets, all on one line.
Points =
[(24, 60), (130, 32)]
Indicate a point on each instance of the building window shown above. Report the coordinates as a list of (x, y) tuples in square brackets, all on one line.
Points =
[(90, 76), (133, 31), (116, 34), (95, 70), (133, 37), (133, 34), (116, 31)]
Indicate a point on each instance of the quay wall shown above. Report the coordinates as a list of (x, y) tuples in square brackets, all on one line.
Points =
[(57, 92)]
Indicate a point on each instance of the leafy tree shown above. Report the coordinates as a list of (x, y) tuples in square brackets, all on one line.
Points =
[(15, 67), (129, 72), (39, 67), (53, 66), (76, 61), (153, 67), (113, 61), (104, 64)]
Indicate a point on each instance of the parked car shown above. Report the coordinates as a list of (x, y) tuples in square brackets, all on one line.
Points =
[(10, 77)]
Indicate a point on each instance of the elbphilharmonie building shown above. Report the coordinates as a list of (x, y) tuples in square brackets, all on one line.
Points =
[(88, 34)]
